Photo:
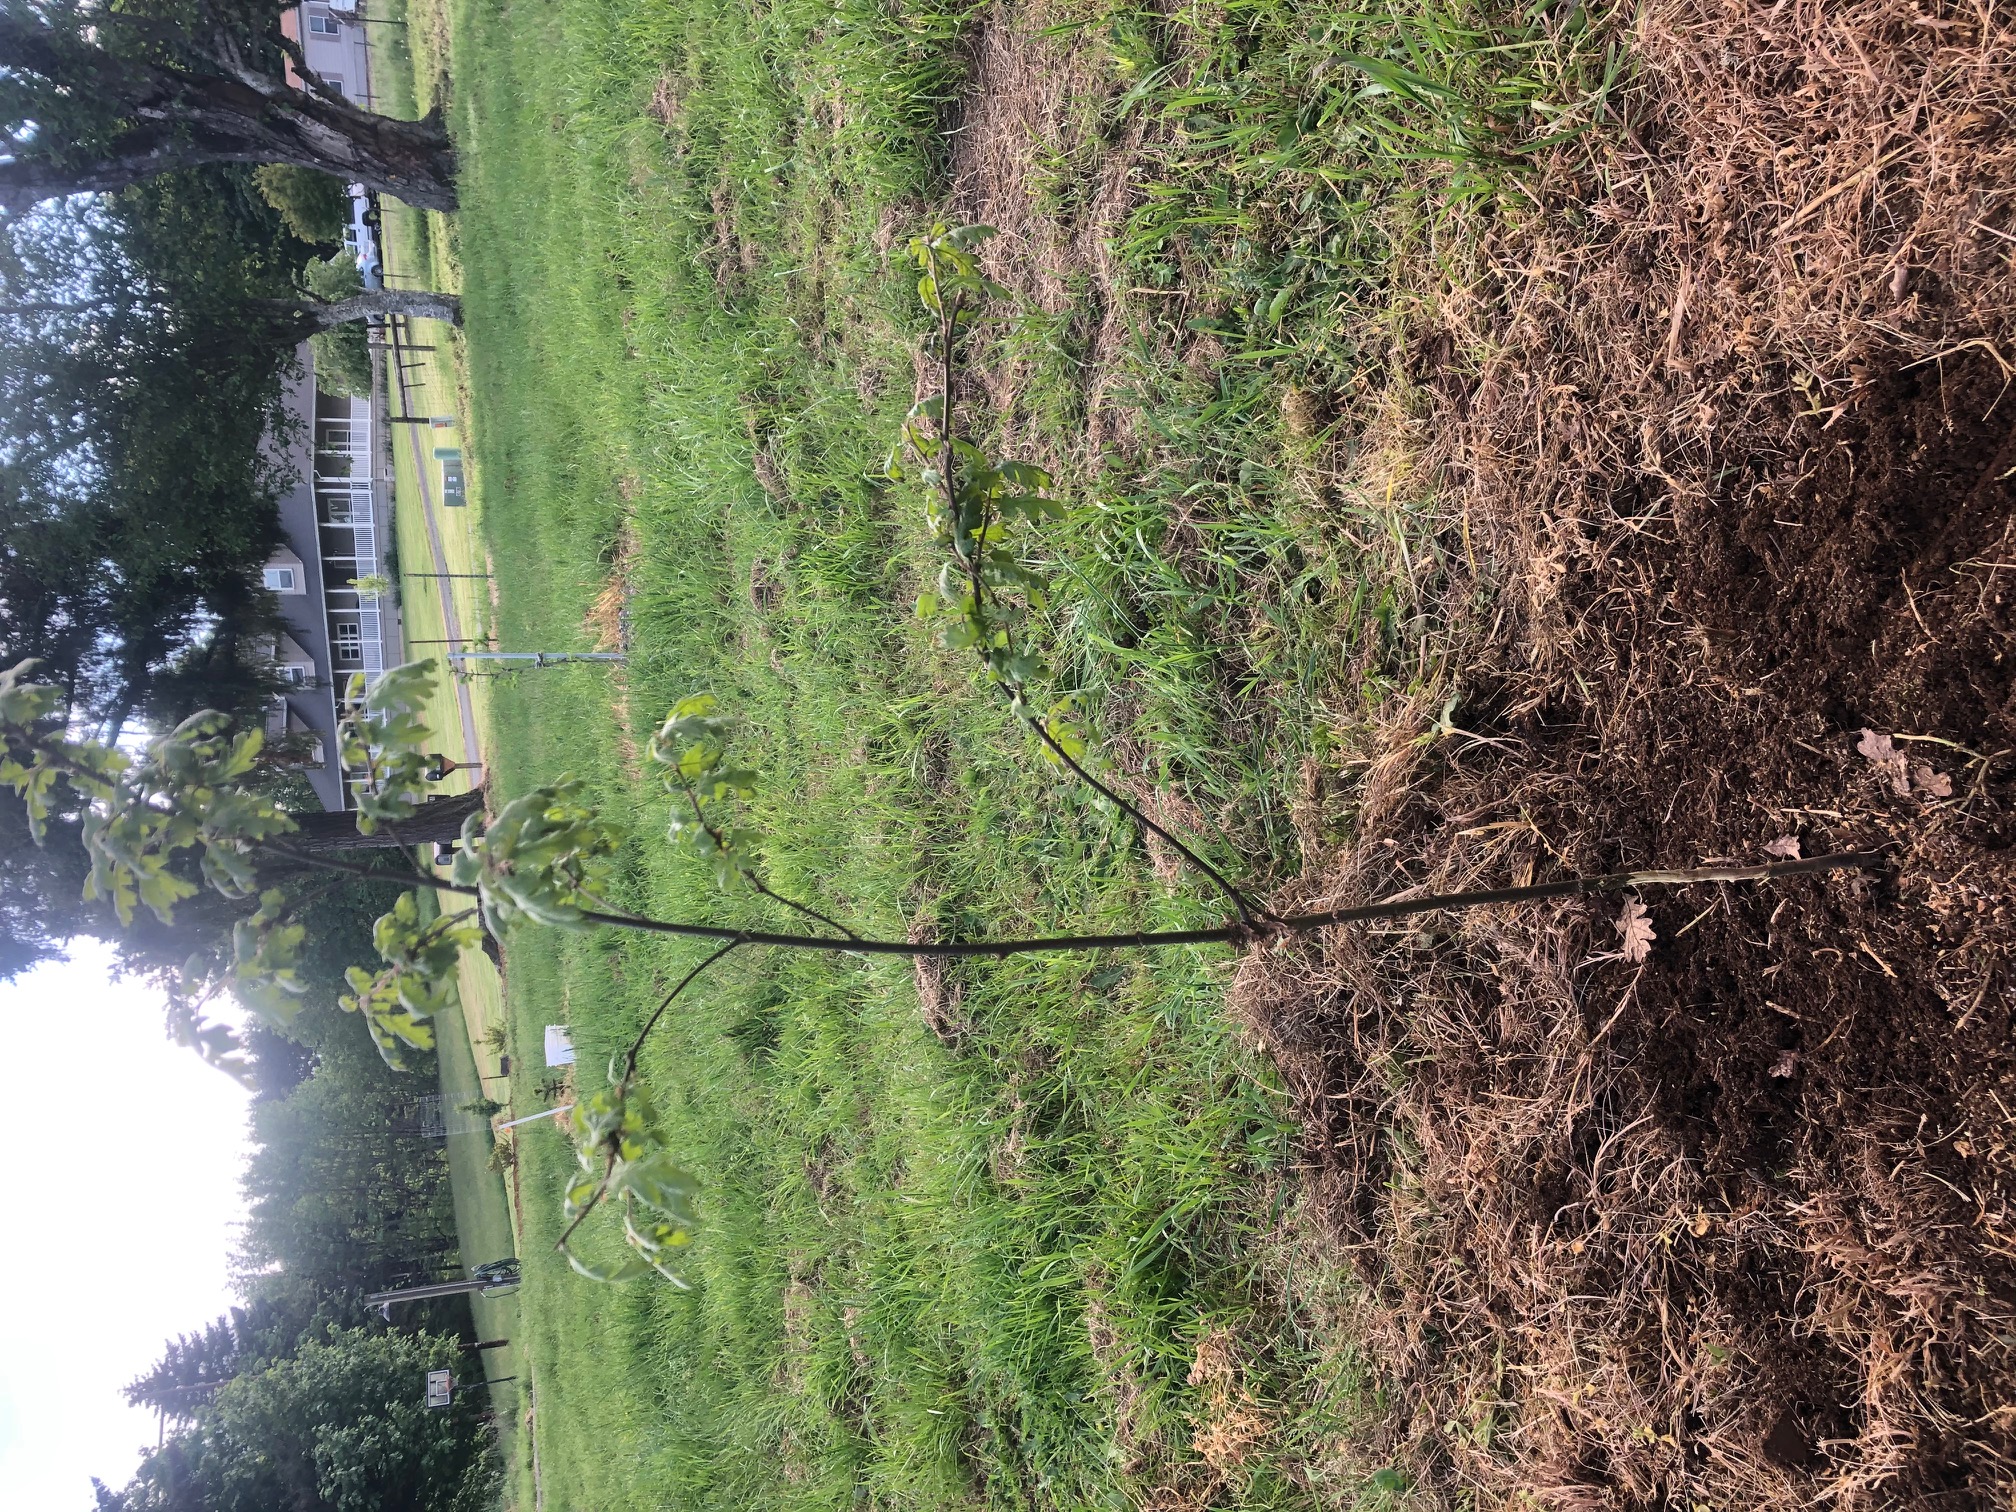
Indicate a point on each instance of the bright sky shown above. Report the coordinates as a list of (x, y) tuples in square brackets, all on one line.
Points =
[(119, 1180)]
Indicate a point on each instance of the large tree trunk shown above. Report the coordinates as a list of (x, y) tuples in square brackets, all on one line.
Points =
[(188, 115), (424, 304), (437, 820)]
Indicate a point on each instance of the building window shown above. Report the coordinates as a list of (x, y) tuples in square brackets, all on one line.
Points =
[(294, 675), (335, 82), (349, 643), (323, 26), (283, 580)]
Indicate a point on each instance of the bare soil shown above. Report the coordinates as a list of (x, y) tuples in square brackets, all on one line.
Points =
[(1729, 423)]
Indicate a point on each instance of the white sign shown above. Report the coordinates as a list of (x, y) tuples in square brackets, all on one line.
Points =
[(440, 1388), (559, 1046)]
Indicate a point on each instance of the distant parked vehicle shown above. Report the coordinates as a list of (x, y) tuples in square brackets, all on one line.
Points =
[(360, 237)]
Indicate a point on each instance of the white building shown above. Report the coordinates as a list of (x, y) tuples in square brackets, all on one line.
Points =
[(332, 39), (336, 524)]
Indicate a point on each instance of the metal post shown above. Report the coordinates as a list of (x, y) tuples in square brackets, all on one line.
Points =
[(384, 1300), (535, 1117), (537, 658)]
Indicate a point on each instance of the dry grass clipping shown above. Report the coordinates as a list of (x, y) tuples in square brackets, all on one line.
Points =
[(1028, 93), (1230, 1424), (608, 623), (1626, 1252)]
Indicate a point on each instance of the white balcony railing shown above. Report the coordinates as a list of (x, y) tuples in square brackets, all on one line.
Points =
[(345, 500)]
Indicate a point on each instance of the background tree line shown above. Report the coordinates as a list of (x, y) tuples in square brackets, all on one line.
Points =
[(303, 1397)]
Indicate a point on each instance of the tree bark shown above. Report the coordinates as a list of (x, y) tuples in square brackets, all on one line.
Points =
[(185, 114), (310, 315), (438, 820)]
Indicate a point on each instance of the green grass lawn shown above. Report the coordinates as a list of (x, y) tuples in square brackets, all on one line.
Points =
[(482, 1214), (1028, 1234)]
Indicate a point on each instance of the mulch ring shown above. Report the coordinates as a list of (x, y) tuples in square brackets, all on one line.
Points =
[(1728, 1226)]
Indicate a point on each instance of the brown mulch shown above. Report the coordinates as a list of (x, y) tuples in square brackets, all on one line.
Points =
[(1728, 421)]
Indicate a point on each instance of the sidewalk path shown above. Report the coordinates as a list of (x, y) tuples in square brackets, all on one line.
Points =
[(451, 619)]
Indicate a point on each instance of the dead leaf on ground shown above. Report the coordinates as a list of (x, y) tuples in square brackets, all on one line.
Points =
[(1932, 783), (1883, 754), (1636, 931), (1786, 847), (1786, 1064)]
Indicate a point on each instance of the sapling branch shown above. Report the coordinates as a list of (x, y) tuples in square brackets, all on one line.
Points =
[(59, 756), (637, 1045), (601, 1191), (1247, 909), (749, 876), (950, 269), (1244, 934)]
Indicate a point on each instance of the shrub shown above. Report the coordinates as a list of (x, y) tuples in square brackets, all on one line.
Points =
[(315, 206), (342, 360)]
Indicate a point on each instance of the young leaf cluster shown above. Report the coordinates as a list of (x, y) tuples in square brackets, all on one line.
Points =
[(180, 795), (621, 1156), (383, 739), (972, 503), (417, 981), (692, 746), (545, 857), (265, 958)]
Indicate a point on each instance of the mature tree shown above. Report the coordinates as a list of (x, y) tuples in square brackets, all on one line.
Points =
[(286, 319), (96, 97), (41, 890), (144, 339), (436, 821), (194, 1366), (270, 1328), (332, 294), (137, 488), (312, 204)]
